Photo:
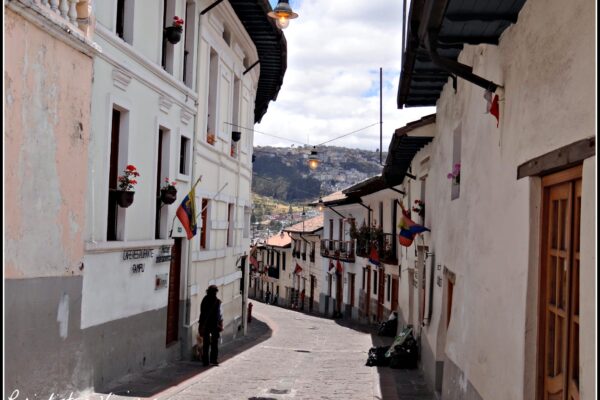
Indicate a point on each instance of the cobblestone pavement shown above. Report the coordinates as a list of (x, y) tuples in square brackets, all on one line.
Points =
[(306, 358), (297, 356)]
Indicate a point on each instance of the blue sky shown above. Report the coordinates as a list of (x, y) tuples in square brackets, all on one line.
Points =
[(331, 86)]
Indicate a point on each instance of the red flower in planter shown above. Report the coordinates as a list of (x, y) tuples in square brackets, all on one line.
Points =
[(177, 22)]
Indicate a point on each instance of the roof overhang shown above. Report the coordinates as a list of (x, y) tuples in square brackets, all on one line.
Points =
[(271, 47), (453, 23), (403, 148)]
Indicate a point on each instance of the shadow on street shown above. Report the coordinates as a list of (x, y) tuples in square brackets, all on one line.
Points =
[(153, 382)]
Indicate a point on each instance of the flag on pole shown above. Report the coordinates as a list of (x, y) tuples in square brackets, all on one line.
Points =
[(495, 110), (408, 229), (187, 213), (331, 267), (492, 106), (339, 268), (374, 255), (298, 269)]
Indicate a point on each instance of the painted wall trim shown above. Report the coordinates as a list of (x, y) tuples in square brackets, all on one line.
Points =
[(105, 247)]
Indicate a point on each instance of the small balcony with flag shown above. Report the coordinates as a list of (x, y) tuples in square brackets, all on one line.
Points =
[(338, 249)]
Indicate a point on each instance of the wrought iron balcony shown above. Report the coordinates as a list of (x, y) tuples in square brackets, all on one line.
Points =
[(344, 250), (386, 248)]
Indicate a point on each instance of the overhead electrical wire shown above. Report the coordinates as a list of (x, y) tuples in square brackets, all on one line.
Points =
[(295, 141)]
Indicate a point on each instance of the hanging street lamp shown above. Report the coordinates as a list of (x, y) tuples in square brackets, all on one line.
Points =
[(313, 159), (282, 14), (320, 204)]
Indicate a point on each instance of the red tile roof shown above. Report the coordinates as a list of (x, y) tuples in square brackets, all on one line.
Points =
[(308, 226), (279, 240)]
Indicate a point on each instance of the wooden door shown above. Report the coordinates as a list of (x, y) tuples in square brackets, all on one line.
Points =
[(339, 292), (380, 294), (351, 288), (368, 295), (394, 294), (558, 364), (173, 296), (312, 292)]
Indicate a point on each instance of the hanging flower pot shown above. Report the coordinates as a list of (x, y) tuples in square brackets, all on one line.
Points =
[(168, 196), (126, 183), (168, 193), (124, 198), (173, 34)]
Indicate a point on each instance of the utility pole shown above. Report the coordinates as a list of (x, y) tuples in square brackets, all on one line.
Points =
[(381, 116)]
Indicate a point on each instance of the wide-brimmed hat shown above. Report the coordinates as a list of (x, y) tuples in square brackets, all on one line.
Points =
[(212, 288)]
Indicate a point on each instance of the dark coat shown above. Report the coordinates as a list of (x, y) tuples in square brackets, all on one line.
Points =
[(210, 314)]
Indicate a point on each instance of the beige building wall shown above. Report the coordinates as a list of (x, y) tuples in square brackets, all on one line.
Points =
[(47, 131), (48, 74)]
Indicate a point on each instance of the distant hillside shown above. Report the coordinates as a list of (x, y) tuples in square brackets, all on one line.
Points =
[(282, 173)]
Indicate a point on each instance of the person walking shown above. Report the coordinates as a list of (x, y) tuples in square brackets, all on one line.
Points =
[(210, 326)]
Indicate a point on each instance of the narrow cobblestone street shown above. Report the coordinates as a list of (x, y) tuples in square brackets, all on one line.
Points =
[(307, 357)]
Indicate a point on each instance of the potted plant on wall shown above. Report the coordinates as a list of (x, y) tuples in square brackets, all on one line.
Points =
[(455, 174), (168, 193), (127, 182), (419, 208), (173, 32)]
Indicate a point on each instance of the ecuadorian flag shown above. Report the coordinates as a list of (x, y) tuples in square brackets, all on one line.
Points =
[(408, 230), (187, 214)]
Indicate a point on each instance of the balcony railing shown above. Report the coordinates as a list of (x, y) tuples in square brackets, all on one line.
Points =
[(386, 248), (344, 250), (75, 12)]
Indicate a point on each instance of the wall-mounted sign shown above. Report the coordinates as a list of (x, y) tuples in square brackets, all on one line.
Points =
[(165, 254), (162, 281), (137, 254), (137, 268)]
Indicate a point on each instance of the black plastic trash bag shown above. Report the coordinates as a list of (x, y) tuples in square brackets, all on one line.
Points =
[(405, 355), (377, 357)]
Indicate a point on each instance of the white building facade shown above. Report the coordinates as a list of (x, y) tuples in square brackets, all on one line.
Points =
[(152, 101)]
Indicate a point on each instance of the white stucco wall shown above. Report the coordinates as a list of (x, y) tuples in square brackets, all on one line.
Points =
[(225, 179), (129, 77), (111, 290), (545, 64)]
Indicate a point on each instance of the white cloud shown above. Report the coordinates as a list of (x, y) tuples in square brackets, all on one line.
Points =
[(331, 87)]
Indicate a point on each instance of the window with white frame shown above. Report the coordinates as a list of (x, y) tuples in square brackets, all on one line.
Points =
[(213, 81), (124, 20), (185, 155), (117, 162), (189, 44), (230, 227), (456, 164)]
